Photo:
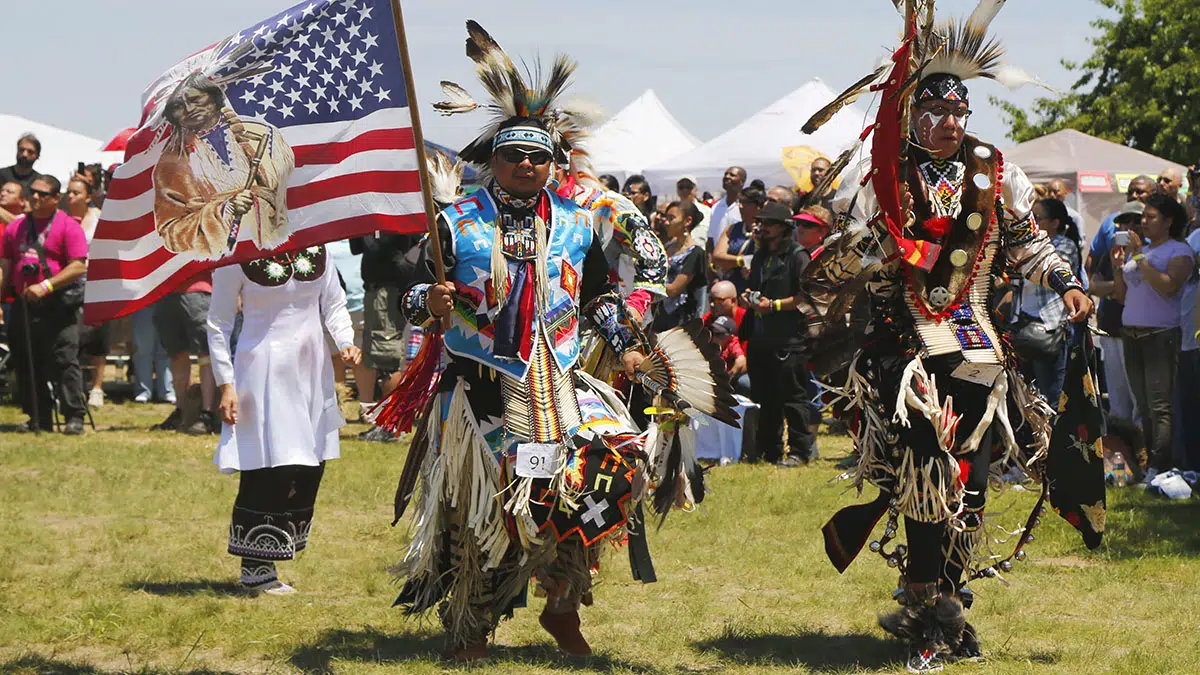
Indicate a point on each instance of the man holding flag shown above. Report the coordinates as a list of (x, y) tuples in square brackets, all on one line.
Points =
[(527, 465)]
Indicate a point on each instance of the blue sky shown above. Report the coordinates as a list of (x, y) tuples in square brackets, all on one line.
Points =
[(712, 63)]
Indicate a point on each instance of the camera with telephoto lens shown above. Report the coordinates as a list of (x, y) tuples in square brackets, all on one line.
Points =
[(30, 269)]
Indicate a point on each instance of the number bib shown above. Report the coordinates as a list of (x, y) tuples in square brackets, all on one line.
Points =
[(537, 460)]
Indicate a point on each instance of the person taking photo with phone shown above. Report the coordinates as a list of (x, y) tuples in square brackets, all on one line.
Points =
[(1148, 278)]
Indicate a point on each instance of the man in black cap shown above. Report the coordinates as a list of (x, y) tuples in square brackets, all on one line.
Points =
[(774, 355)]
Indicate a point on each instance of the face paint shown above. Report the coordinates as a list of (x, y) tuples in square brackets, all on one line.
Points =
[(926, 123)]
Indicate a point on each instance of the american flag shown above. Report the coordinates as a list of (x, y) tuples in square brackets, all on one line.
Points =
[(335, 90)]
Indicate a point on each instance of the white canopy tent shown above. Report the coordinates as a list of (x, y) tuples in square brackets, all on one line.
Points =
[(769, 145), (62, 150), (642, 134)]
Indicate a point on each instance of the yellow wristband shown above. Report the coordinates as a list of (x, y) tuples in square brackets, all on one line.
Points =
[(49, 286), (741, 261), (778, 305), (1139, 257)]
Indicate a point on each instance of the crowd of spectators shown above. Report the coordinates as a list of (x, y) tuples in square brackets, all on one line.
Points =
[(59, 364), (734, 261)]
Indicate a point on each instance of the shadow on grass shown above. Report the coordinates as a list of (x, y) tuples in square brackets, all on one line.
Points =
[(373, 646), (35, 664), (1141, 525), (181, 588), (817, 651)]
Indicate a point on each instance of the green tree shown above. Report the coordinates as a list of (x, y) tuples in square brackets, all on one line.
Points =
[(1140, 87)]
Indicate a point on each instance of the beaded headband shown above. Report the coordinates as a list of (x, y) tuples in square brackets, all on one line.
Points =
[(942, 86), (523, 136)]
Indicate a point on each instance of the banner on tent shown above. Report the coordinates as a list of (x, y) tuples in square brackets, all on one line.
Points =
[(797, 159), (1098, 181)]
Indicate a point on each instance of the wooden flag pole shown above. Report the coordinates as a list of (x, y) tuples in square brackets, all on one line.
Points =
[(410, 87)]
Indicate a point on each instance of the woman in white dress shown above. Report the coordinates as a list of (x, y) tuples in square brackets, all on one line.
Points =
[(278, 405)]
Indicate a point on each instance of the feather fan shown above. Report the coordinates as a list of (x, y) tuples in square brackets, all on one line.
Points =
[(686, 361), (821, 189)]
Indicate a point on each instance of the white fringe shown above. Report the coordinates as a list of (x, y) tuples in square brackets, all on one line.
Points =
[(471, 478), (425, 539)]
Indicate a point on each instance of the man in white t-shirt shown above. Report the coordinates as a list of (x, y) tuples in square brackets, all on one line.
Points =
[(726, 211), (686, 190)]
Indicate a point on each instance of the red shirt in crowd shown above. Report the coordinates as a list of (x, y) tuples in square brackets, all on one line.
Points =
[(62, 238), (738, 313), (731, 351)]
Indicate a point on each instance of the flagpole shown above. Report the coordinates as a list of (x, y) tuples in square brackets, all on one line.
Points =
[(435, 241)]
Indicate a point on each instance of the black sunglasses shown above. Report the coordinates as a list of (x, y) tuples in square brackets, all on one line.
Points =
[(515, 156), (43, 193)]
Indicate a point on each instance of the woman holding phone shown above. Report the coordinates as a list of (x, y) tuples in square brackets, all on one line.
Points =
[(1148, 279)]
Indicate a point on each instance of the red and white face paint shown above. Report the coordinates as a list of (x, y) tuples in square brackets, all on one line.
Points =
[(941, 127)]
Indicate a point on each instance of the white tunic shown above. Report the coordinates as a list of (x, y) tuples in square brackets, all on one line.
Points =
[(287, 407)]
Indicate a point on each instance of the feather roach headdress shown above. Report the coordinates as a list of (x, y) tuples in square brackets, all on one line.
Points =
[(514, 93), (942, 57)]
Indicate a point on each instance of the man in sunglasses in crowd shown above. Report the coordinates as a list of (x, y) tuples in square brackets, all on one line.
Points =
[(637, 190), (44, 254)]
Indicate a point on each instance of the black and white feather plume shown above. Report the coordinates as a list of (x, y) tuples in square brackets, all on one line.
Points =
[(966, 50)]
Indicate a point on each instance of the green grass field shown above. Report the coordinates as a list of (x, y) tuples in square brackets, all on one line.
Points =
[(112, 559)]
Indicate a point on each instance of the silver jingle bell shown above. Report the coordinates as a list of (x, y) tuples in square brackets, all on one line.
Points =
[(875, 546), (893, 561), (889, 533), (1006, 566), (901, 550), (1020, 556)]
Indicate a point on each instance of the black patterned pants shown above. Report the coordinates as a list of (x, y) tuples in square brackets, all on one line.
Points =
[(273, 512)]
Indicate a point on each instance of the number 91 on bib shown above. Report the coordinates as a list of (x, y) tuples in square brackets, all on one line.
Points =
[(537, 460)]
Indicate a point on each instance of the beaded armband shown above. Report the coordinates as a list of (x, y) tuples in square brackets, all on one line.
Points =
[(1020, 232), (608, 314), (415, 305), (1060, 280)]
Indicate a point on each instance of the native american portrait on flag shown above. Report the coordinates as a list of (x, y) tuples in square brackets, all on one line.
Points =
[(290, 133), (219, 173)]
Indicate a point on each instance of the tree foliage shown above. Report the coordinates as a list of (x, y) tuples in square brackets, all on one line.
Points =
[(1140, 87)]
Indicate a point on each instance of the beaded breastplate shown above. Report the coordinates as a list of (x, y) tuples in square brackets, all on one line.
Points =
[(950, 303)]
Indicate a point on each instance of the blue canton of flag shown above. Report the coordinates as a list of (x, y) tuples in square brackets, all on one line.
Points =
[(330, 60)]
